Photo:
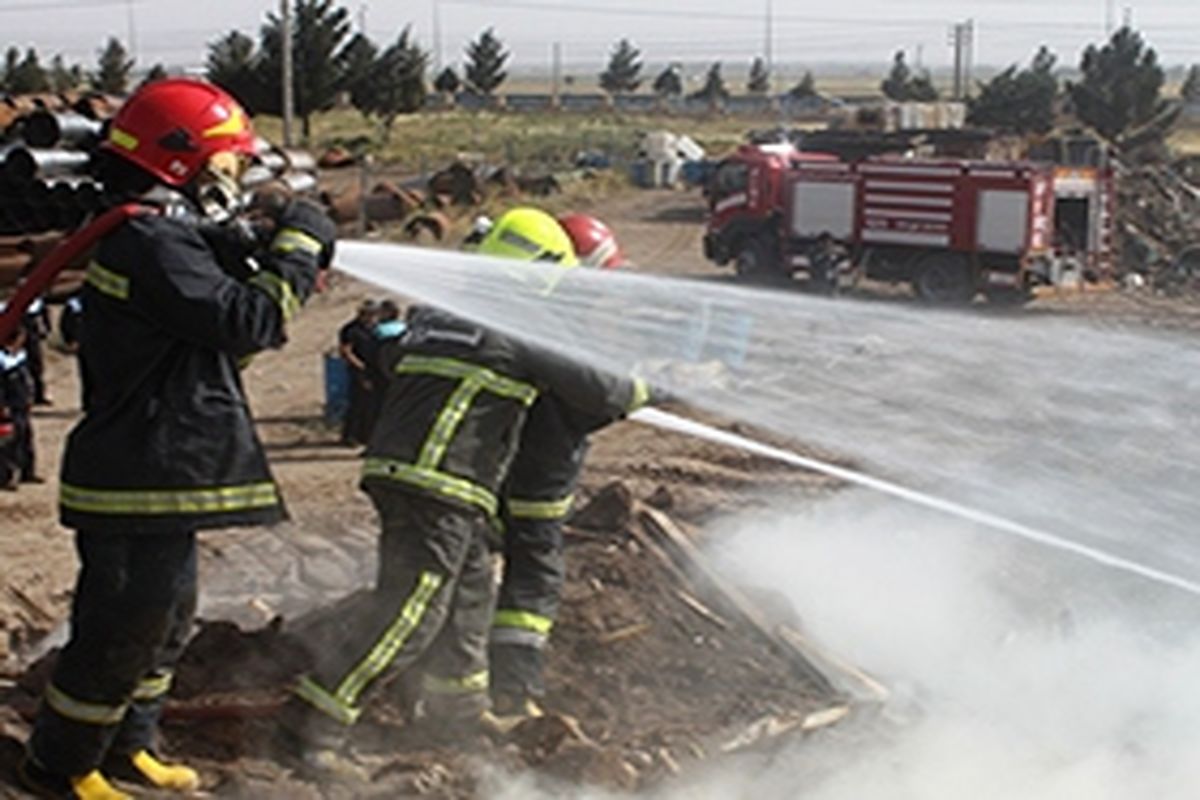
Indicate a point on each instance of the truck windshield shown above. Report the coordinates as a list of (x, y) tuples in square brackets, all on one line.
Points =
[(730, 178)]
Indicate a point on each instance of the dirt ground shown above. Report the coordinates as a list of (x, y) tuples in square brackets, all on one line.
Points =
[(639, 638)]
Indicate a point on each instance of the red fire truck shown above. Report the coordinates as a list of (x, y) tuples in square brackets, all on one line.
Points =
[(952, 228)]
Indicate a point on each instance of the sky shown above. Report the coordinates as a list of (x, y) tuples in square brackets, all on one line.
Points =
[(175, 32)]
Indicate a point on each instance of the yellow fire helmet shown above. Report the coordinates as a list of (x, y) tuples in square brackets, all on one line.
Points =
[(529, 234)]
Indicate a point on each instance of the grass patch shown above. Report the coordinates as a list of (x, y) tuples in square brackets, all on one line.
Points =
[(428, 140)]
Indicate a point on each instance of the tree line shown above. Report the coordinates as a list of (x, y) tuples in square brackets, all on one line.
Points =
[(1119, 88)]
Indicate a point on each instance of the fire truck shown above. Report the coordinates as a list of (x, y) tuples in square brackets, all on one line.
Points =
[(952, 228)]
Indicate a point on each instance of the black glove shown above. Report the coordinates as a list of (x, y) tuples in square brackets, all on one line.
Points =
[(310, 219)]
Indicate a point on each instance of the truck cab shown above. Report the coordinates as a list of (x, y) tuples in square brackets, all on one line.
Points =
[(745, 194)]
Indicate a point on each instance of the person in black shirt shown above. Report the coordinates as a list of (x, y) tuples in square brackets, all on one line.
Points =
[(70, 327), (356, 343), (16, 397)]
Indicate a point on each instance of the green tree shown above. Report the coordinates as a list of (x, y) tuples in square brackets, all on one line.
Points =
[(356, 63), (447, 81), (486, 58), (1018, 101), (1190, 90), (113, 68), (903, 85), (64, 78), (12, 57), (624, 69), (155, 73), (232, 64), (759, 81), (895, 85), (714, 86), (24, 75), (1121, 84), (319, 31), (395, 84), (921, 88), (806, 88), (669, 82)]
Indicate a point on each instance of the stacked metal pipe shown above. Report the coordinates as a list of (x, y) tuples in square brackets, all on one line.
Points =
[(48, 185)]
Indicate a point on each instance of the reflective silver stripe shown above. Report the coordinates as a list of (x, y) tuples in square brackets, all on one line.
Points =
[(518, 637), (385, 650), (431, 480), (279, 290), (107, 281), (539, 509), (169, 501), (81, 711), (310, 692), (291, 239), (468, 684), (153, 687)]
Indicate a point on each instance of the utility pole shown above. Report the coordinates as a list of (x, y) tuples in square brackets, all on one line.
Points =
[(1109, 16), (362, 19), (437, 37), (556, 70), (769, 45), (131, 26), (962, 39), (289, 88), (1127, 17)]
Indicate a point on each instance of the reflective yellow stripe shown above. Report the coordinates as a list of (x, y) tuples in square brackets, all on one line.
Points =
[(470, 684), (641, 395), (279, 290), (289, 240), (107, 281), (539, 509), (123, 139), (385, 650), (431, 480), (492, 381), (524, 620), (310, 692), (153, 687), (169, 501), (80, 711)]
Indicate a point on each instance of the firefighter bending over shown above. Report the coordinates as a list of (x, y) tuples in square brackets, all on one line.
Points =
[(453, 410), (537, 499), (167, 446)]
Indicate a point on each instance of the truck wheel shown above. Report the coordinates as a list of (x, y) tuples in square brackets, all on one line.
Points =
[(755, 262), (945, 279), (1008, 297)]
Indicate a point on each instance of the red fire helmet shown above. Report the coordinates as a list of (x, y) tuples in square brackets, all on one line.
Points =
[(594, 241), (172, 127)]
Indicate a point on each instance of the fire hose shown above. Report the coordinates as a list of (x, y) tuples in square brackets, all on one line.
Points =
[(67, 252)]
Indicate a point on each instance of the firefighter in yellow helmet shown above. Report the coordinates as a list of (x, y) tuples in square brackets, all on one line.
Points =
[(457, 397), (536, 501)]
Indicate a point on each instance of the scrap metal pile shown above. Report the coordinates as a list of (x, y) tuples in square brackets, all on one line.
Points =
[(48, 184), (1158, 223)]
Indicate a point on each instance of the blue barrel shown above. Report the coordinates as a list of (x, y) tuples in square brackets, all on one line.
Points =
[(337, 388)]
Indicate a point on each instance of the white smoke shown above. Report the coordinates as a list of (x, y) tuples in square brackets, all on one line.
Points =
[(1018, 672)]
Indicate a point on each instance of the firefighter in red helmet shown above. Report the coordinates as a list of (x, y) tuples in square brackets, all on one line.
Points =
[(536, 501), (166, 446), (595, 243)]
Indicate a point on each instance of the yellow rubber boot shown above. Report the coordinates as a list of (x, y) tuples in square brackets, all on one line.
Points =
[(172, 777), (94, 786)]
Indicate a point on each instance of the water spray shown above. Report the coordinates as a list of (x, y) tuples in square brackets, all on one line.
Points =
[(673, 422), (1024, 426)]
